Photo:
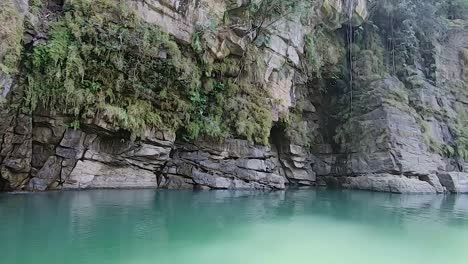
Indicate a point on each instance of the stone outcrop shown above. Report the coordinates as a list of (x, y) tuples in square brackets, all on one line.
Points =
[(384, 183), (400, 126), (92, 174), (456, 182), (16, 150), (391, 140), (337, 12), (93, 157), (386, 138), (297, 164), (234, 164)]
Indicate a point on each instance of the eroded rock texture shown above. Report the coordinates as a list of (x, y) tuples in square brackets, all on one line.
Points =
[(395, 132), (234, 164)]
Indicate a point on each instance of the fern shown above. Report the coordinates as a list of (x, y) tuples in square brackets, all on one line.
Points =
[(102, 60)]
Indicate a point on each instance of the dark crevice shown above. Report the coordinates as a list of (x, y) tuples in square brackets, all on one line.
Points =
[(55, 5), (277, 139), (4, 185)]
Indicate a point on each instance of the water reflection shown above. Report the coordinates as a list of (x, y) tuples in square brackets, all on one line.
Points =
[(117, 225)]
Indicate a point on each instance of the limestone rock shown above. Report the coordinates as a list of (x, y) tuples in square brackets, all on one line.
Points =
[(337, 12), (392, 127), (72, 138), (234, 164), (174, 182), (456, 182), (212, 181), (37, 184), (51, 170), (92, 174), (15, 149), (296, 161), (433, 180), (389, 183)]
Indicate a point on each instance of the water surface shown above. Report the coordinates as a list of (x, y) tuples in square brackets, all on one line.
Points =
[(170, 227)]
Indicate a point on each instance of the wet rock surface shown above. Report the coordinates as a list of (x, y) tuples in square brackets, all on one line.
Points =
[(389, 183)]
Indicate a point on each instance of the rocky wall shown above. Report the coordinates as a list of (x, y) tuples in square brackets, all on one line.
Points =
[(392, 143), (400, 134)]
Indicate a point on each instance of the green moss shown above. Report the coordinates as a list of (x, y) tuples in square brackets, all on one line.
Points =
[(399, 98), (251, 120), (400, 95), (296, 129), (232, 100), (36, 5), (430, 142), (455, 9), (464, 57), (332, 16), (197, 44), (369, 39), (344, 132), (324, 52), (415, 81), (75, 124), (459, 148), (11, 31), (102, 60)]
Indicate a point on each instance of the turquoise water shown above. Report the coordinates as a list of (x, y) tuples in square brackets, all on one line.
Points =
[(303, 226)]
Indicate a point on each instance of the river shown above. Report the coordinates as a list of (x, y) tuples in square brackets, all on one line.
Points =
[(232, 227)]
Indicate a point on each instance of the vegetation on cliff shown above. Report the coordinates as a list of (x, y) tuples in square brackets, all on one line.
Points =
[(102, 60), (10, 38), (400, 40), (371, 78)]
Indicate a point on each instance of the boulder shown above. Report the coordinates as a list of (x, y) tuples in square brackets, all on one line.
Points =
[(36, 184), (388, 183), (51, 170), (174, 182), (433, 180), (455, 182)]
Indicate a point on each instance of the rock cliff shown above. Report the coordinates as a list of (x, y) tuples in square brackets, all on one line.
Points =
[(233, 95)]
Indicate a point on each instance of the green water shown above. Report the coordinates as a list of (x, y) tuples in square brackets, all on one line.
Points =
[(304, 226)]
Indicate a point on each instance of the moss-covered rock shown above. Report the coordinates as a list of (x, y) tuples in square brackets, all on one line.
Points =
[(11, 32), (101, 59)]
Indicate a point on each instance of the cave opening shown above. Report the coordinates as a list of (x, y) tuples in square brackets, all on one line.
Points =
[(278, 136)]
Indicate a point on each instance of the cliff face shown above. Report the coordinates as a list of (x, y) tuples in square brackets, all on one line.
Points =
[(325, 92)]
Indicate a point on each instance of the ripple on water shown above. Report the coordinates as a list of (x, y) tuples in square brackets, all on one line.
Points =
[(297, 226)]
